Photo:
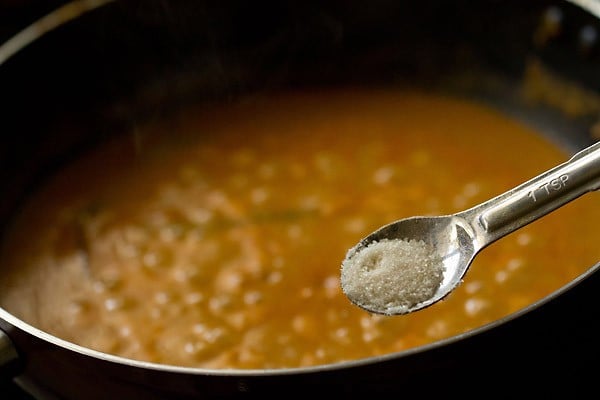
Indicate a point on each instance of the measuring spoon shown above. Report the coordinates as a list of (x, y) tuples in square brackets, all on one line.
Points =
[(457, 238)]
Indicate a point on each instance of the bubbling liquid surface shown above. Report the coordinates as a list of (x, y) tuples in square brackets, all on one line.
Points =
[(214, 238)]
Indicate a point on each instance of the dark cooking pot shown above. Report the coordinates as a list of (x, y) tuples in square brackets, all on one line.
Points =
[(90, 69)]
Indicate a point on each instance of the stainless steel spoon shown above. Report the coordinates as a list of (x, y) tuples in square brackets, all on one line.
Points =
[(457, 238)]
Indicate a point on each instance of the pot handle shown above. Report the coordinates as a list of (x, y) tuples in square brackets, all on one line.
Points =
[(8, 356)]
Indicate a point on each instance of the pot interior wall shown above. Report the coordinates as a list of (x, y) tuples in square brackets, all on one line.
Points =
[(130, 61)]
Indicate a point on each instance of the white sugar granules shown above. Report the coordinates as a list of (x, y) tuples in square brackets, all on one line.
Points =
[(391, 276)]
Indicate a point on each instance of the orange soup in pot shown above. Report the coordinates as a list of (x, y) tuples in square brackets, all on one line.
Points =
[(213, 238)]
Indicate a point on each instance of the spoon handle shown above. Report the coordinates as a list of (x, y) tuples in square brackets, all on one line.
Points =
[(541, 195)]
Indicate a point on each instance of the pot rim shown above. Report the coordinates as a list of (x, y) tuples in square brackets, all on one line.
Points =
[(74, 9)]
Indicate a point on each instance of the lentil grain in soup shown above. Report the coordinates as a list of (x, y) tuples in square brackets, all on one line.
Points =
[(214, 238)]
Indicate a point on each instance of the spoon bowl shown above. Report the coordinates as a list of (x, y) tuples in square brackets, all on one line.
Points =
[(456, 239), (451, 238)]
